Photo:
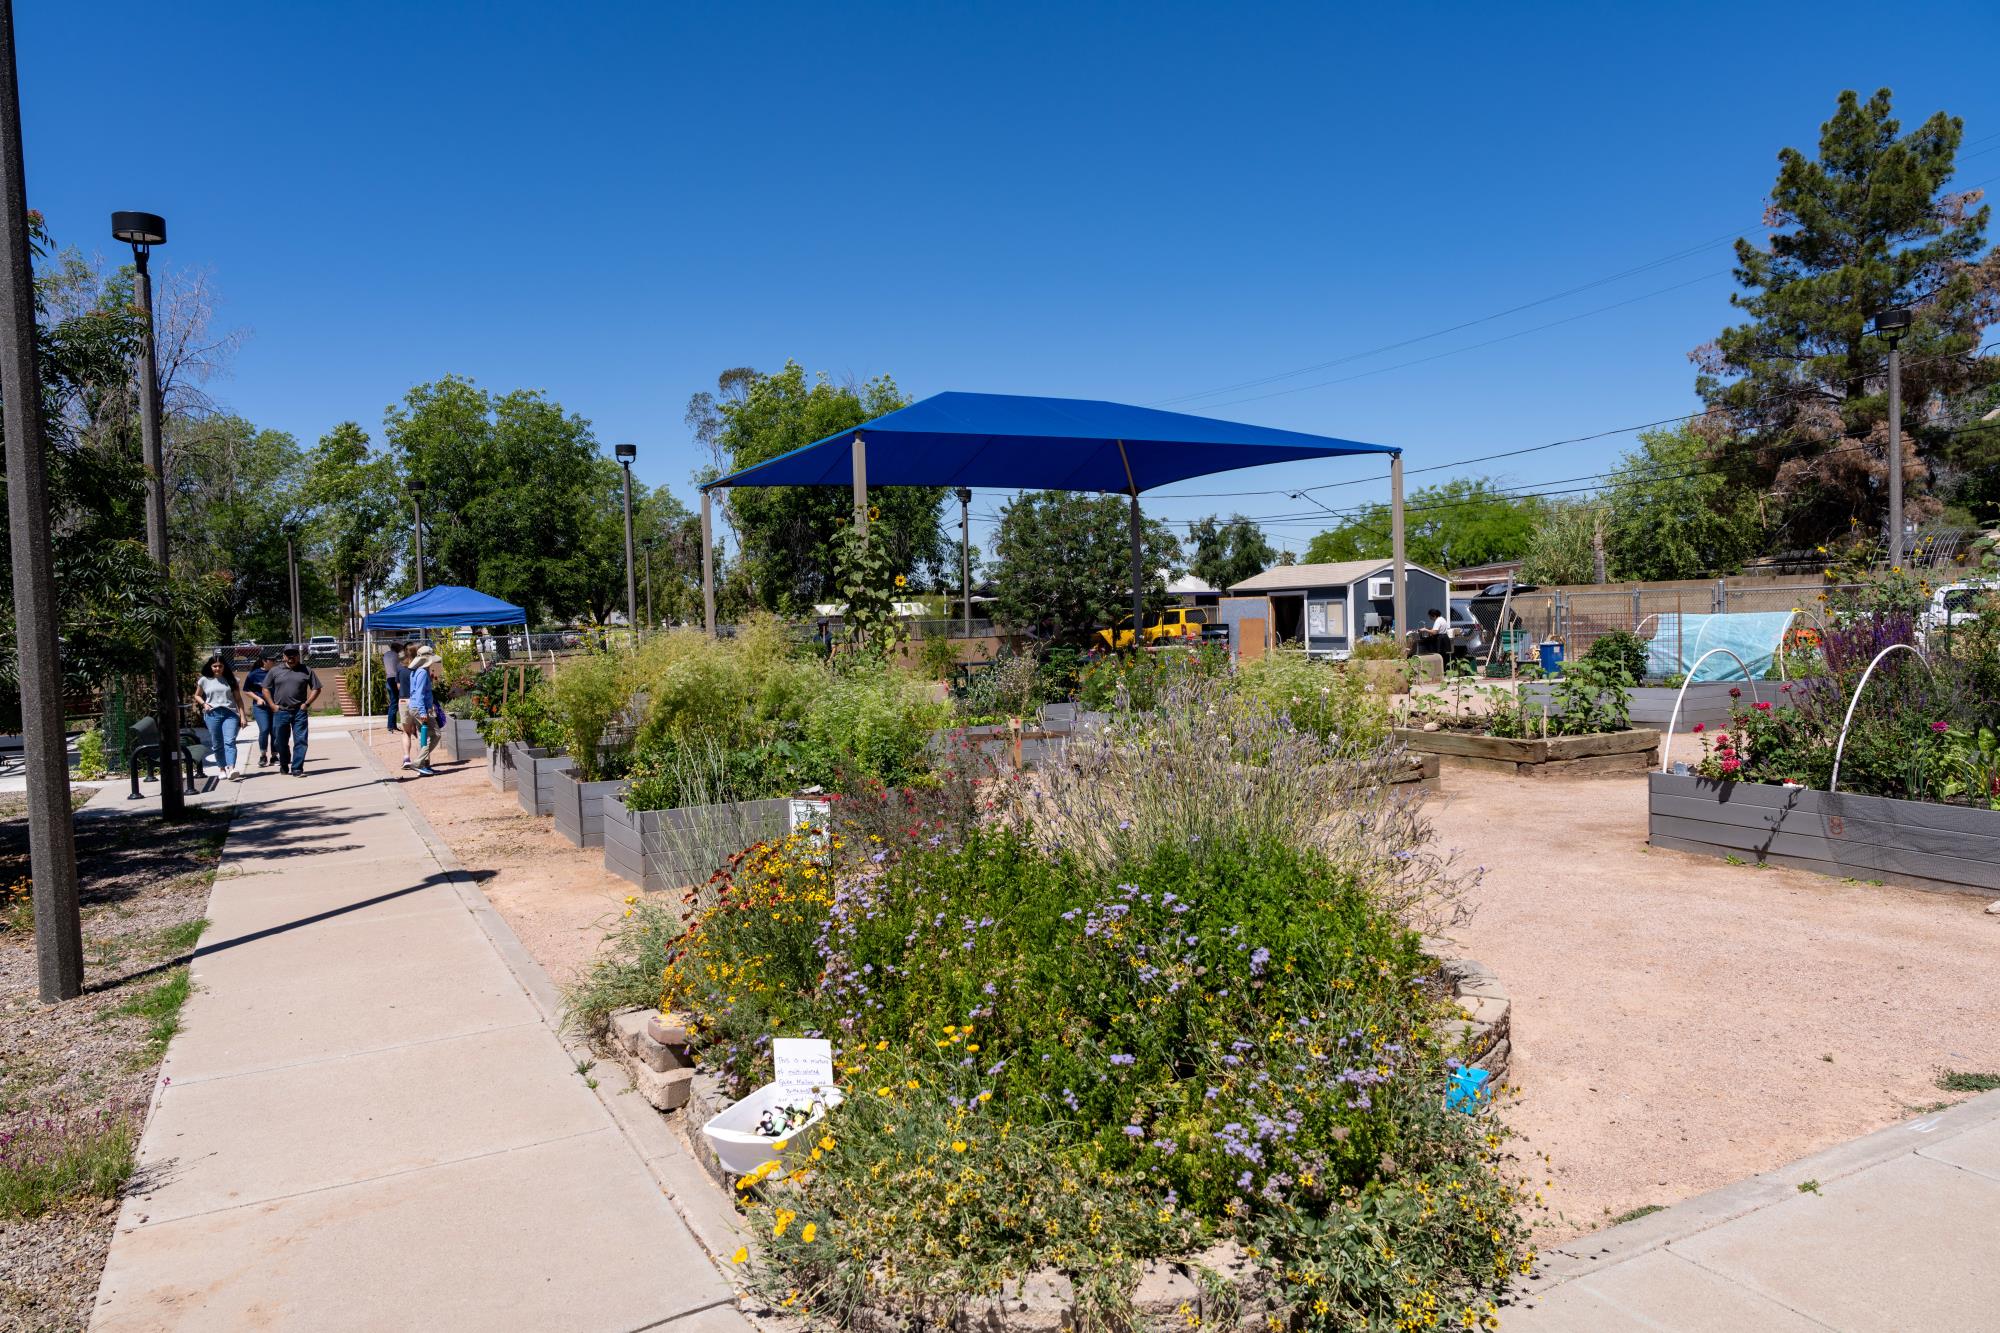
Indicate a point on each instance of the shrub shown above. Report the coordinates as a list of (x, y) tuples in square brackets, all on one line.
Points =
[(874, 723), (1135, 680), (626, 972), (936, 657), (90, 755), (374, 700), (1620, 648), (526, 717), (586, 699), (1011, 687), (1376, 650), (1335, 705)]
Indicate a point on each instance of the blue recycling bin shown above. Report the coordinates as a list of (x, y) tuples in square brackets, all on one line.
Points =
[(1552, 656)]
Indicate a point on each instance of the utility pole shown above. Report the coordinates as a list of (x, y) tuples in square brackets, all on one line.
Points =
[(626, 453), (650, 622), (1893, 324), (1597, 546), (292, 582), (965, 553), (51, 836)]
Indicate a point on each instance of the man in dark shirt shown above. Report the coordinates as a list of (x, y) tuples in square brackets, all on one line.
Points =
[(392, 676), (290, 690), (253, 686)]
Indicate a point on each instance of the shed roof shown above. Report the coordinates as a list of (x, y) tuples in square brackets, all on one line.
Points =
[(1280, 578)]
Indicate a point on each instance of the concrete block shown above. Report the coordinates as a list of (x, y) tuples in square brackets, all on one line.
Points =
[(627, 1026), (667, 1091)]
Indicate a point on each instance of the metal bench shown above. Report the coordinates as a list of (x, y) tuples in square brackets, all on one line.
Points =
[(143, 746)]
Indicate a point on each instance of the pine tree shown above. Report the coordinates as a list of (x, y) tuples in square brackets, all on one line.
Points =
[(1799, 393)]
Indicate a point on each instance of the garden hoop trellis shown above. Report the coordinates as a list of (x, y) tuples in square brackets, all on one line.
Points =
[(1833, 783), (1667, 742)]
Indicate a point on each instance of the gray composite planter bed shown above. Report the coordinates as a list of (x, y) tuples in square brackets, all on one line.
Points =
[(667, 849), (461, 740), (579, 806), (534, 777), (1923, 845), (500, 766), (1558, 756)]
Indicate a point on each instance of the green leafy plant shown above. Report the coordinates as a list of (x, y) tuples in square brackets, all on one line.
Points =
[(936, 657), (866, 578), (1620, 648), (586, 700), (90, 755)]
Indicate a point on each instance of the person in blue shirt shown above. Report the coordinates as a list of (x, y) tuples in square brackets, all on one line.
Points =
[(260, 711), (420, 711)]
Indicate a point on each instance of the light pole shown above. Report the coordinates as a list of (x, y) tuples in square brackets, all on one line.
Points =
[(292, 578), (1893, 324), (650, 622), (51, 837), (416, 490), (626, 453), (143, 231), (965, 553)]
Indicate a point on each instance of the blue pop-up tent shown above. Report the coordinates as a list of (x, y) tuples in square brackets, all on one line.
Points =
[(1053, 444), (445, 607)]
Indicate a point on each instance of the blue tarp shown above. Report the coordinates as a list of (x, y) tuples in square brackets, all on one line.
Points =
[(1681, 640), (444, 608), (1055, 444)]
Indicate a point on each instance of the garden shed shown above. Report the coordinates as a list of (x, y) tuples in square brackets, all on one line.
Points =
[(1326, 608)]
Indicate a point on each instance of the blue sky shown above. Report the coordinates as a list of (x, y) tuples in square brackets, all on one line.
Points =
[(612, 202)]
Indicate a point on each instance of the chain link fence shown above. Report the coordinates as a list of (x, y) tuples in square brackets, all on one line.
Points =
[(1580, 618)]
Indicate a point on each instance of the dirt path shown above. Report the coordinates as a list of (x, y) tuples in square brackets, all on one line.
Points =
[(1679, 1022), (558, 898)]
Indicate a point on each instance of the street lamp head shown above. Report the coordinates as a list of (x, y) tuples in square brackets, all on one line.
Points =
[(626, 453), (1892, 323), (964, 495), (139, 228), (415, 486)]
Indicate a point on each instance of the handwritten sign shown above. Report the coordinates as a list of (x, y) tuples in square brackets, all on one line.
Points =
[(804, 1066)]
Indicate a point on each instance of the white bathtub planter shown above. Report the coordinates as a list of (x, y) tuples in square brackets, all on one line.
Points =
[(784, 1111)]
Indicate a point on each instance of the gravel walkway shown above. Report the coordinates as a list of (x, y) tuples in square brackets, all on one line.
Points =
[(1680, 1023)]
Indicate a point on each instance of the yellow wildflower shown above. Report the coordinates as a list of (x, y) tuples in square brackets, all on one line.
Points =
[(742, 1255), (958, 1145), (809, 1233)]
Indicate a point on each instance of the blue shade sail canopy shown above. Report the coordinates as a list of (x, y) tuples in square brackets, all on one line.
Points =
[(1007, 441), (444, 608)]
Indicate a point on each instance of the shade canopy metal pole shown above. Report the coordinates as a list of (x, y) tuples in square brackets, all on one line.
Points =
[(1138, 579), (1396, 548), (707, 565), (860, 486), (965, 553), (51, 836)]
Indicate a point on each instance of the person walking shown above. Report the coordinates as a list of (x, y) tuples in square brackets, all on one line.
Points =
[(392, 678), (223, 711), (253, 690), (290, 690), (420, 713)]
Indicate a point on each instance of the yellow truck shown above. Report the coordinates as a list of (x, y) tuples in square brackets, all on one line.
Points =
[(1175, 624)]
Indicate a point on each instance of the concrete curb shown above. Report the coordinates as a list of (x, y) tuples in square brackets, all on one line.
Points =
[(713, 1224), (1587, 1254)]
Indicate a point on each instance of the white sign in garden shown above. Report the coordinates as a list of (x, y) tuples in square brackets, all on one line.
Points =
[(804, 1068)]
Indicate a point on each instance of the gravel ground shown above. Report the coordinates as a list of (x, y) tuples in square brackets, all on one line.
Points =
[(1679, 1022), (142, 884)]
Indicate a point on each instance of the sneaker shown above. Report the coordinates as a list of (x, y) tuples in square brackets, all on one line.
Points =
[(427, 772), (263, 761), (298, 772), (408, 764)]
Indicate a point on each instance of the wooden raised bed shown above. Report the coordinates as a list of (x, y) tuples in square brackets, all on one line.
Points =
[(667, 849), (534, 776), (1558, 756), (461, 740), (1952, 848)]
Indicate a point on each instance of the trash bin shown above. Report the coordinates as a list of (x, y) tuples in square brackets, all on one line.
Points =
[(1552, 656)]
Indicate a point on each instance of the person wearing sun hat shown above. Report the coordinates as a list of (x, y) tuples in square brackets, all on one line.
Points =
[(420, 709)]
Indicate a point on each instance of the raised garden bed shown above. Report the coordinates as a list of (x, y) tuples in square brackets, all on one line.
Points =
[(461, 739), (500, 766), (1558, 756), (1921, 844), (534, 776), (668, 849), (1708, 702), (579, 806)]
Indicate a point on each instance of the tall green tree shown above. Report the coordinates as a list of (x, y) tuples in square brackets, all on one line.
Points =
[(239, 494), (510, 484), (358, 520), (1800, 387), (1064, 563), (1461, 522), (1671, 516), (1561, 550), (787, 533), (1226, 552)]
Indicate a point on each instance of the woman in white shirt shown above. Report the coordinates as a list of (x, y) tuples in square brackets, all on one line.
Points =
[(223, 712)]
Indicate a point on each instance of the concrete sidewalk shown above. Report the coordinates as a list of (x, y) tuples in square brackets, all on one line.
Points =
[(1894, 1231), (367, 1121)]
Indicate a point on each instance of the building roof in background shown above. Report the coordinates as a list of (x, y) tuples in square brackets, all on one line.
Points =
[(1280, 577), (1188, 585)]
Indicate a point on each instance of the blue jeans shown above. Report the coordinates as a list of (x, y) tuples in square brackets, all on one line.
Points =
[(222, 726), (261, 714), (389, 685), (288, 739)]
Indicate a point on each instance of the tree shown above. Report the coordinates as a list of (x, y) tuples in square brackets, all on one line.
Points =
[(1064, 563), (787, 532), (510, 483), (1671, 517), (1226, 553), (1461, 522), (357, 520), (238, 495), (1799, 391), (1560, 548)]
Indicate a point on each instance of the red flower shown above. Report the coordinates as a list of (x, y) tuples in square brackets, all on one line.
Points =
[(1735, 693), (1701, 726), (1763, 708)]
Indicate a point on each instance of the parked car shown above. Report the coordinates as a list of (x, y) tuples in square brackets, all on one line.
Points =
[(1468, 636), (322, 648), (1174, 623), (1956, 603)]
